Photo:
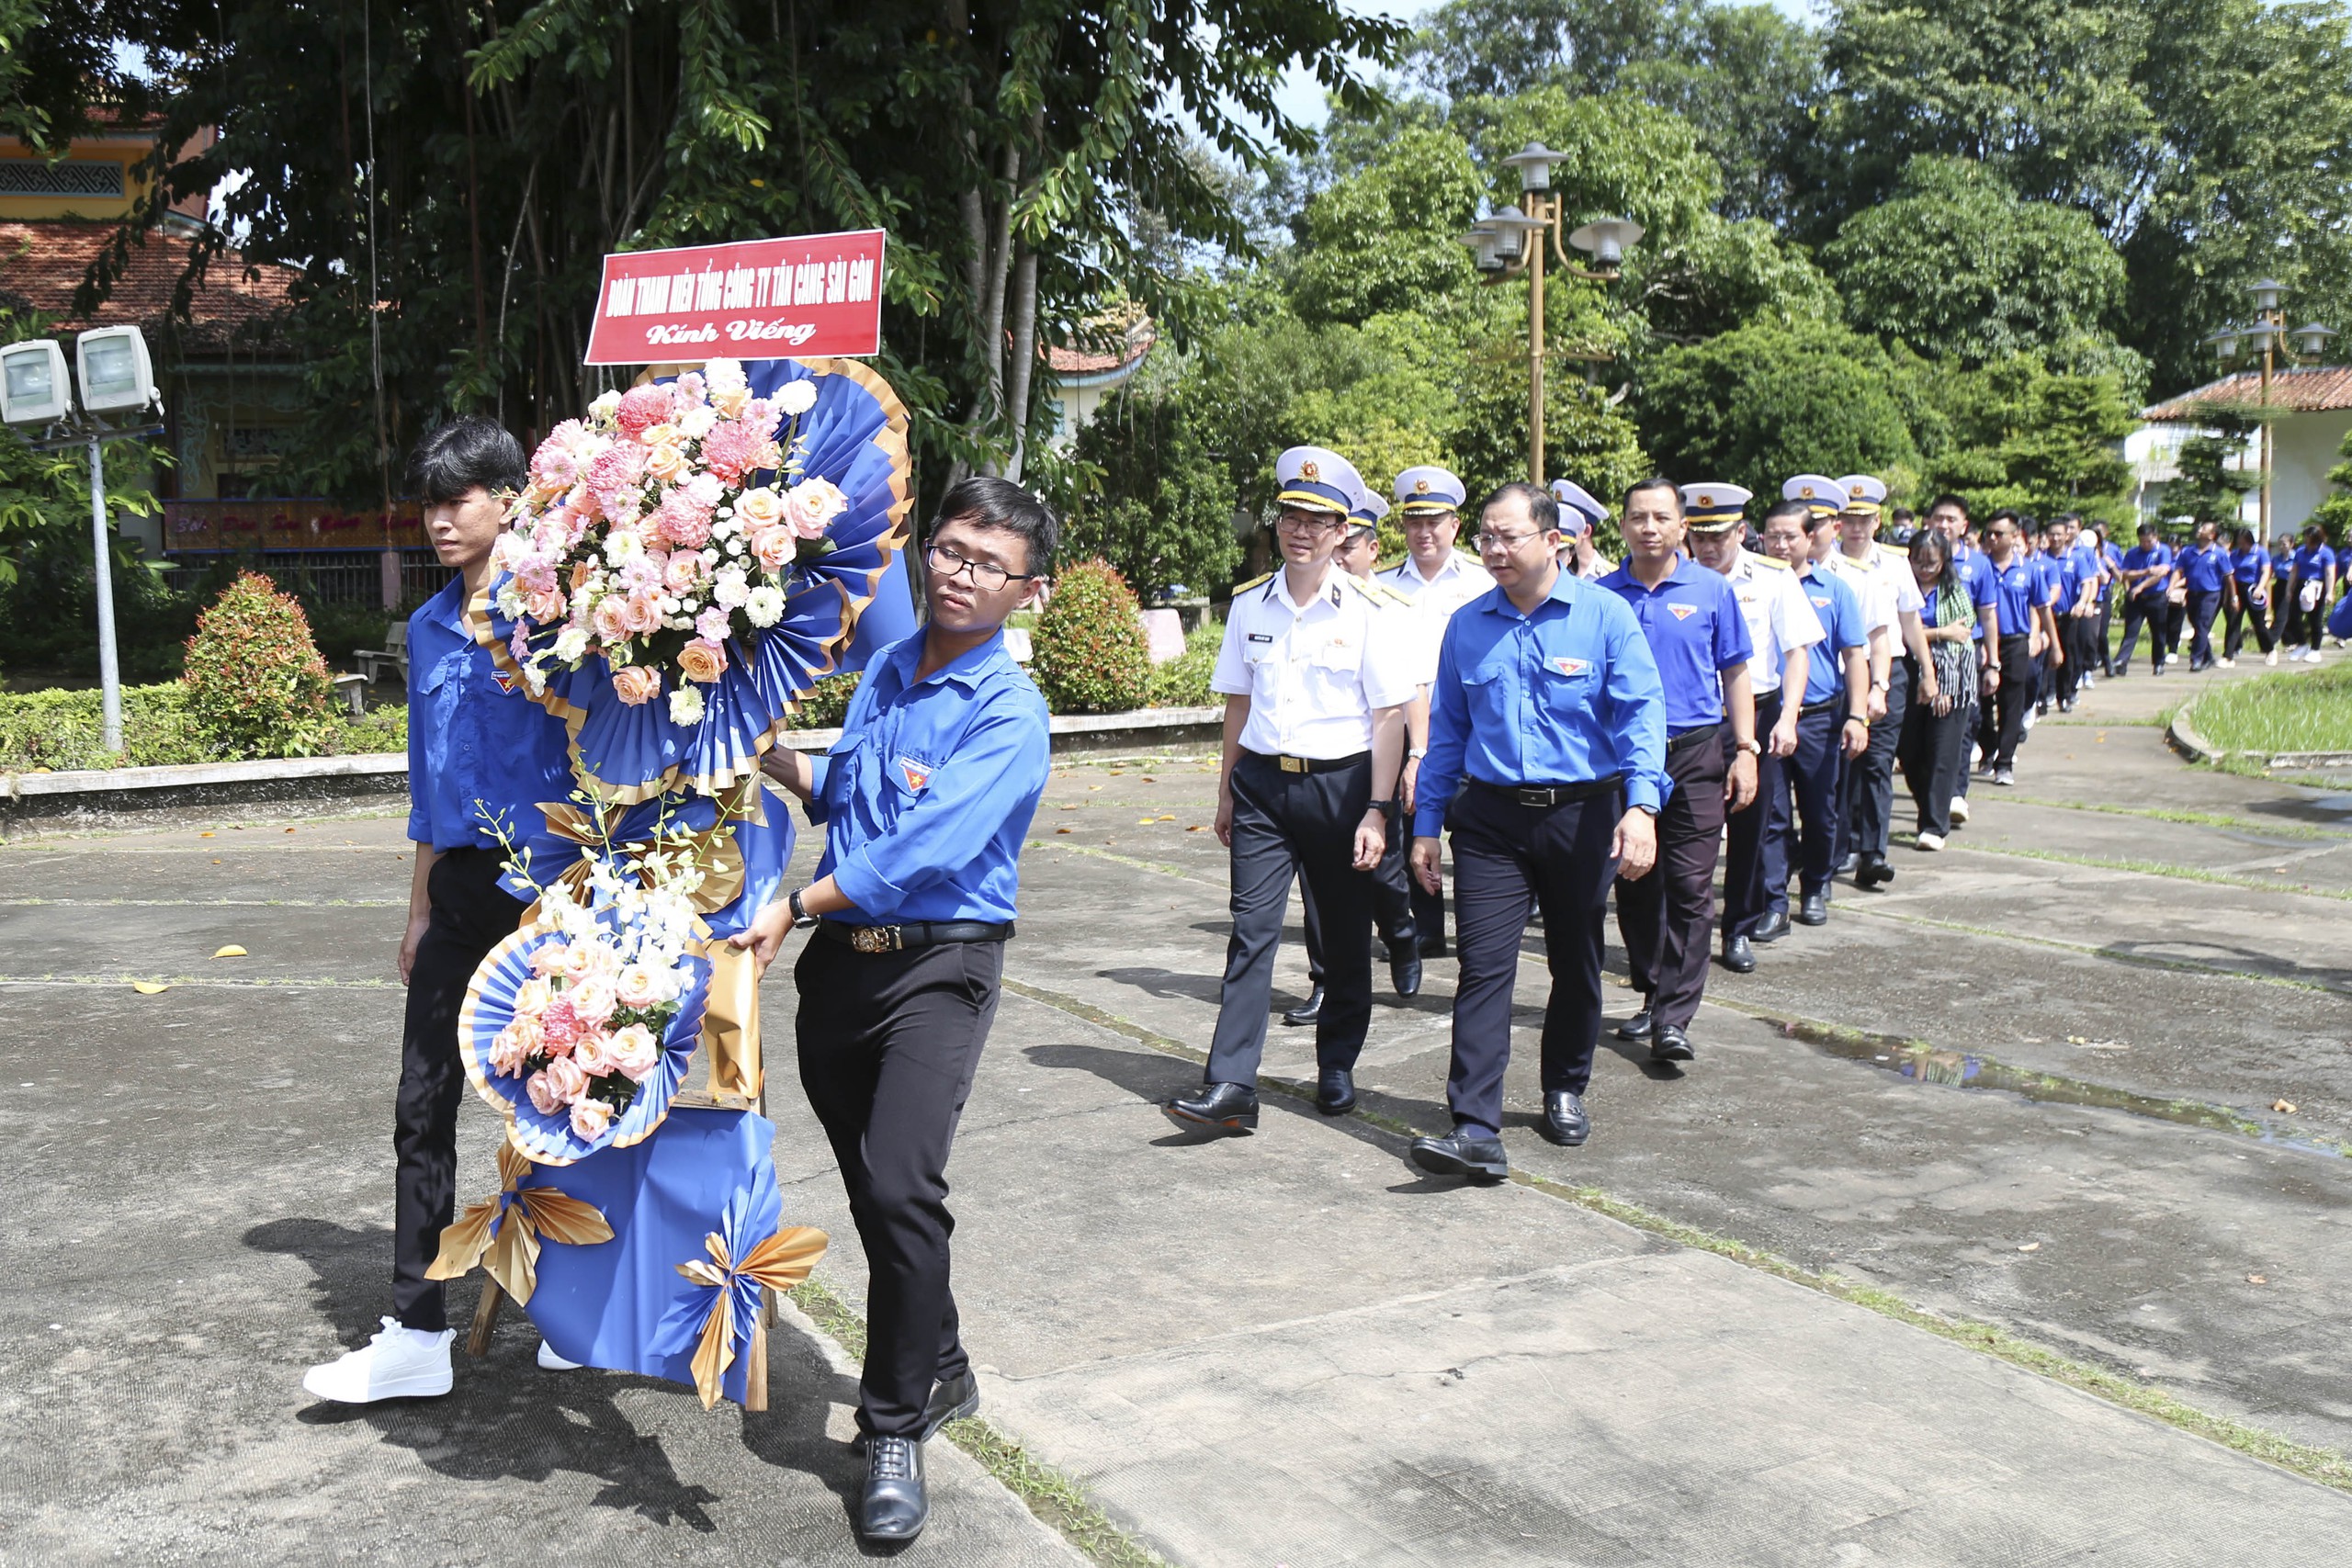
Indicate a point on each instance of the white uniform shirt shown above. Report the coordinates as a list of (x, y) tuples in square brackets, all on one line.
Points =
[(1779, 616), (1313, 672), (1458, 582), (1883, 582)]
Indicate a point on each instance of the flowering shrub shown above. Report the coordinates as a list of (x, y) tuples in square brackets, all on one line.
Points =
[(255, 682), (642, 537), (1091, 656)]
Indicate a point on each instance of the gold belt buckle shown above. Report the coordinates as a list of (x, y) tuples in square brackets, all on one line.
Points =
[(874, 939), (1293, 764)]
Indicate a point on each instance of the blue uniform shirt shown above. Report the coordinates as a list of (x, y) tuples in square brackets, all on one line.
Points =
[(1696, 632), (2083, 566), (1841, 616), (928, 792), (2049, 579), (2312, 562), (2247, 565), (477, 745), (1976, 577), (2207, 567), (2139, 557), (2112, 558), (1566, 696), (2014, 594)]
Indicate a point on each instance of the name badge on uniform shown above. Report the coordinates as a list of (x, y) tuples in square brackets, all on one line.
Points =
[(1683, 612), (1261, 637), (915, 774), (1568, 666)]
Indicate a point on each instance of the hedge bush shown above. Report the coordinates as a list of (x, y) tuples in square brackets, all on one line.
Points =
[(60, 730), (1088, 651), (254, 675), (827, 704), (1183, 681)]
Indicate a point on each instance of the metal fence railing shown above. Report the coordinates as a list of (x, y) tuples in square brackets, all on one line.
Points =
[(323, 577)]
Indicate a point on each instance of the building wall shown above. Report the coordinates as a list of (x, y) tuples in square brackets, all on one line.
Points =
[(98, 179), (2303, 448)]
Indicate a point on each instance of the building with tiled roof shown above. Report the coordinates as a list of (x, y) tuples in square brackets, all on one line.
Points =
[(2310, 415), (1109, 351)]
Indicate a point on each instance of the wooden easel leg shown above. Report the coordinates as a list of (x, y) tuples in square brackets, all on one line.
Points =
[(755, 1366), (485, 1318)]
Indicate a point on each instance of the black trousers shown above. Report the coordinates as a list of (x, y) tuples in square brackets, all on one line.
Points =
[(1747, 892), (471, 913), (2101, 623), (1869, 814), (2075, 636), (2240, 612), (1667, 918), (1934, 753), (1302, 825), (1394, 908), (2155, 611), (889, 1043), (2301, 625), (1508, 860), (2203, 604), (2003, 721), (1814, 780)]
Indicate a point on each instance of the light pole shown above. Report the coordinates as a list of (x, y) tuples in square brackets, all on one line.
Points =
[(1509, 244), (116, 378), (2267, 333)]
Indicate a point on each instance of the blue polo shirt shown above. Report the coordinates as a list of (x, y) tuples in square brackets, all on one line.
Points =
[(926, 796), (1976, 576), (480, 748), (1566, 696), (2313, 561), (2139, 557), (2049, 579), (1695, 631), (2207, 567), (2247, 565), (1841, 617), (2016, 591), (2112, 559), (2082, 566)]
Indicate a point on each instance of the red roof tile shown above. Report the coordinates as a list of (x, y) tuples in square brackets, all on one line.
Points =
[(41, 263), (2309, 389)]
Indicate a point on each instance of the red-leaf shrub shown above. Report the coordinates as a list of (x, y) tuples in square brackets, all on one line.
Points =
[(1090, 655), (254, 679)]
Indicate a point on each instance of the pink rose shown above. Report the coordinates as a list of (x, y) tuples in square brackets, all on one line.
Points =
[(591, 1119), (635, 1052), (682, 573), (512, 1048), (643, 614), (533, 996), (635, 685), (640, 985), (702, 662), (761, 508), (591, 1000), (544, 1098), (774, 547), (810, 506), (544, 960), (610, 618), (641, 408), (545, 607), (592, 1056), (566, 1080)]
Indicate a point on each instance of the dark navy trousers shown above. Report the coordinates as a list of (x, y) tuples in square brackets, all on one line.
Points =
[(1814, 780), (1747, 856)]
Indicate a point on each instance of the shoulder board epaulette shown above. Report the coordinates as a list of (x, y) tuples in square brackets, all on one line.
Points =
[(1385, 594), (1259, 582), (1775, 562)]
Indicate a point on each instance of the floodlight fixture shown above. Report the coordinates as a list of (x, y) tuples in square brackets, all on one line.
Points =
[(116, 374), (34, 387)]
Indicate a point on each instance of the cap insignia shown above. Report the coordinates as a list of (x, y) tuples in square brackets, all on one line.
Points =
[(1306, 471)]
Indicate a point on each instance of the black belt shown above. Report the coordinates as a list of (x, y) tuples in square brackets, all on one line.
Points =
[(1555, 794), (918, 933), (1311, 764), (1691, 738), (1823, 706)]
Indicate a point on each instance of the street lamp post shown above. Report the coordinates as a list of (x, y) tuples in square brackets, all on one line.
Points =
[(1512, 243), (2267, 333)]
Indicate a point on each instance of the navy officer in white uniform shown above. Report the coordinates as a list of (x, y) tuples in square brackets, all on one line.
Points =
[(1314, 714)]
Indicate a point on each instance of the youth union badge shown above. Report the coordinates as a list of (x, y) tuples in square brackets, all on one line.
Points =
[(1568, 666), (915, 773), (1683, 612)]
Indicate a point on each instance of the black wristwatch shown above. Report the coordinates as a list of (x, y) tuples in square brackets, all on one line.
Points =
[(801, 918), (1380, 805)]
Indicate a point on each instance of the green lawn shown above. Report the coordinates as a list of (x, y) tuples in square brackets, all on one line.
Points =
[(2282, 712)]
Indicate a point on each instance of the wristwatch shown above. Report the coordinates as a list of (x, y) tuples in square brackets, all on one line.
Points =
[(801, 918), (1379, 805), (1752, 748), (1858, 719), (1417, 752)]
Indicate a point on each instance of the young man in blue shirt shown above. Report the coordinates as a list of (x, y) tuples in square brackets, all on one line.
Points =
[(924, 800), (2205, 566), (2019, 604), (2249, 598), (1833, 723), (1698, 640), (1547, 761), (2309, 594), (2147, 574), (482, 758)]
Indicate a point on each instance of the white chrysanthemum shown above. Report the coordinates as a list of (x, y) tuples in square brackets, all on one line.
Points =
[(621, 547), (572, 644), (698, 421), (728, 589), (685, 705), (764, 606), (797, 397), (606, 404)]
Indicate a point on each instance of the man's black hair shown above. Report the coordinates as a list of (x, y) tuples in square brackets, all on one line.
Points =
[(1948, 499), (1804, 512), (1656, 481), (2009, 516), (2148, 529), (1543, 506), (988, 502), (467, 451)]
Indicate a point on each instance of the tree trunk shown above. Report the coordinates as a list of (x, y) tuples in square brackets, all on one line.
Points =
[(1025, 358)]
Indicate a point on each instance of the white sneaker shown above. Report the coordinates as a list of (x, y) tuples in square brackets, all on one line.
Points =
[(1960, 809), (2227, 663), (551, 1362), (1931, 841), (2271, 656), (398, 1363)]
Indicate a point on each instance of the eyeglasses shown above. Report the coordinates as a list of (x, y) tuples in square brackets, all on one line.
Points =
[(1505, 542), (987, 579), (1309, 522)]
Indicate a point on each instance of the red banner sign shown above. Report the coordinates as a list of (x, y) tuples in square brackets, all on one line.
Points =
[(812, 295)]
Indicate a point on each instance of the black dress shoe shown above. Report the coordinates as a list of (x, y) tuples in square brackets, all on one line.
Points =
[(894, 1506), (1670, 1045), (1636, 1027), (954, 1400), (1564, 1118), (1874, 871), (1405, 970), (1738, 956), (1335, 1091), (1775, 927), (1849, 863), (1814, 910), (1307, 1011), (1221, 1107), (1460, 1153)]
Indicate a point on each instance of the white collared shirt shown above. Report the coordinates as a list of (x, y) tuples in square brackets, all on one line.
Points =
[(1314, 673), (1883, 582), (1778, 613), (1457, 582)]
